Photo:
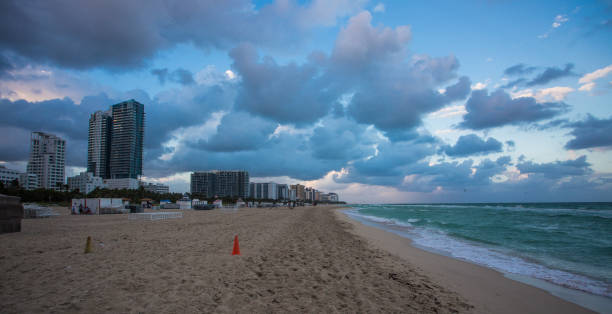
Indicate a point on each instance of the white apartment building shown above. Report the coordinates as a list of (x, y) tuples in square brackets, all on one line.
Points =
[(47, 160), (28, 181), (156, 188), (85, 182), (7, 176), (120, 184)]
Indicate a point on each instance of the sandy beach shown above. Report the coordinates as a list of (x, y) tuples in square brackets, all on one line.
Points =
[(306, 260), (301, 260)]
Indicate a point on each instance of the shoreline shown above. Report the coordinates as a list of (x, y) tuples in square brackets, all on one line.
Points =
[(489, 290)]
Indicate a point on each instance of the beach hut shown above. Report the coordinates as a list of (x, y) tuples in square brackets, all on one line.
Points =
[(240, 203), (184, 203)]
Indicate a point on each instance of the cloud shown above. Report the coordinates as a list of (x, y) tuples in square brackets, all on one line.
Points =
[(559, 20), (557, 93), (590, 133), (588, 79), (389, 92), (78, 34), (472, 144), (552, 73), (284, 93), (453, 176), (71, 119), (587, 87), (557, 169), (513, 83), (359, 44), (162, 75), (180, 76), (342, 139), (239, 131), (449, 111), (459, 90), (379, 8), (519, 69), (480, 85), (498, 109)]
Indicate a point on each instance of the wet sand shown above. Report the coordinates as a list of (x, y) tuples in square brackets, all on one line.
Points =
[(486, 289)]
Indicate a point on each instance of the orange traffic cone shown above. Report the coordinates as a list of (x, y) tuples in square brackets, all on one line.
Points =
[(236, 250), (88, 245)]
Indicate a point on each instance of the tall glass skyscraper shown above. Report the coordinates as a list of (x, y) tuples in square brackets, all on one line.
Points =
[(99, 144), (127, 140), (116, 141)]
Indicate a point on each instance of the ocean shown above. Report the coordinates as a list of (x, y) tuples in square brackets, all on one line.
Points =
[(567, 244)]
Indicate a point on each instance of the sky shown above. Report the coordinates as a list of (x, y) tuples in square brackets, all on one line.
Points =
[(378, 101)]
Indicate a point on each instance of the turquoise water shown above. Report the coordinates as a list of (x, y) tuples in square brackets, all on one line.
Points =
[(568, 244)]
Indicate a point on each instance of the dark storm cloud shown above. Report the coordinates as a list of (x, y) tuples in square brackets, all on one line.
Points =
[(118, 35), (162, 75), (239, 131), (590, 133), (519, 69), (392, 158), (472, 144), (460, 90), (69, 118), (283, 155), (5, 67), (14, 143), (285, 93), (341, 139), (557, 169), (552, 73), (180, 75), (498, 109)]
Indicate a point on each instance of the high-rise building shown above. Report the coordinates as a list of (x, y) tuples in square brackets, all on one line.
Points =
[(220, 183), (47, 160), (99, 144), (299, 191), (263, 191), (203, 184), (127, 140), (282, 191)]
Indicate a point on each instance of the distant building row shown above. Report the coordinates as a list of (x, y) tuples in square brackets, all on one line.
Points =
[(235, 183)]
